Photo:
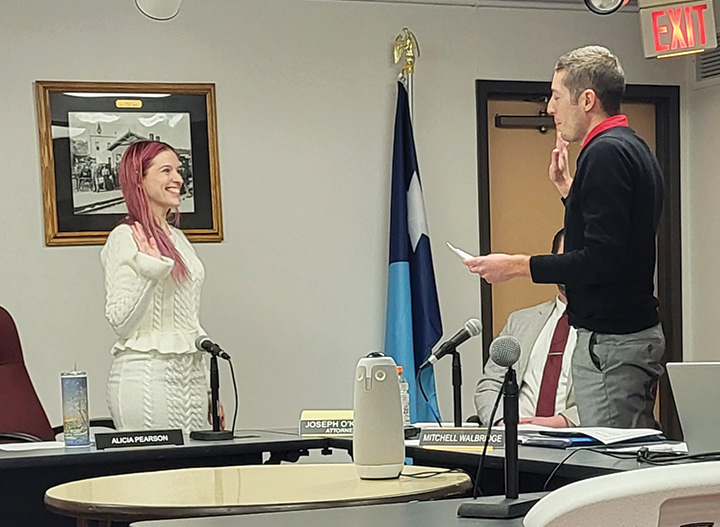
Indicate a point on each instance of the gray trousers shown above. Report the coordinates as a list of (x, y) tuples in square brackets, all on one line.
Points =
[(615, 377)]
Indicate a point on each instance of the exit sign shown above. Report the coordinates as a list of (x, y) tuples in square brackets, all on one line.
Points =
[(672, 29)]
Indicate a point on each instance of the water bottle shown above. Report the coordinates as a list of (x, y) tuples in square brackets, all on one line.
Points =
[(404, 396), (76, 424)]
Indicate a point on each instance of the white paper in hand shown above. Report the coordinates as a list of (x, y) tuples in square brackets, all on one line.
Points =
[(462, 254)]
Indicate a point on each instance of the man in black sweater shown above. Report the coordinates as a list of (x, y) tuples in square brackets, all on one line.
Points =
[(612, 209)]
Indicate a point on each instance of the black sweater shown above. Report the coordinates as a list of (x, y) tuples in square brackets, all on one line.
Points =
[(611, 218)]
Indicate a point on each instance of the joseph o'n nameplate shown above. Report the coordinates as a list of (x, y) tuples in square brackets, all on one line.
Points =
[(326, 423), (461, 438), (140, 438)]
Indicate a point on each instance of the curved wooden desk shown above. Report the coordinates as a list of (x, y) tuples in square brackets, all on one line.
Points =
[(211, 491)]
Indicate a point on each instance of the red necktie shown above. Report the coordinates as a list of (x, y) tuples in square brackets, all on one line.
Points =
[(553, 365)]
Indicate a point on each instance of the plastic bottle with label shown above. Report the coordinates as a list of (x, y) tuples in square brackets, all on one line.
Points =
[(76, 425), (404, 397)]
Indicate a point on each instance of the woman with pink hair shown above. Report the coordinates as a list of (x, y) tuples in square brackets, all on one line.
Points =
[(153, 280)]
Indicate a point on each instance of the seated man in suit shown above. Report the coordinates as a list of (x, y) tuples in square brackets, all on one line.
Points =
[(544, 368)]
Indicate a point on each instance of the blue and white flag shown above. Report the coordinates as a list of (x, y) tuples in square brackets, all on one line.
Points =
[(413, 323)]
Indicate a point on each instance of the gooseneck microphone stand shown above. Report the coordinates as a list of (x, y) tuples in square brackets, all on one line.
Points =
[(512, 505), (457, 388), (216, 434)]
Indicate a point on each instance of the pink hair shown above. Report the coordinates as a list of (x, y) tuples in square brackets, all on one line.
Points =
[(133, 166)]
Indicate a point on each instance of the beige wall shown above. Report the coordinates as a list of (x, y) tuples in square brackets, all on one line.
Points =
[(306, 93), (701, 235)]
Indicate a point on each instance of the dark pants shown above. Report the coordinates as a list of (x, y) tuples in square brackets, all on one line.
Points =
[(615, 377)]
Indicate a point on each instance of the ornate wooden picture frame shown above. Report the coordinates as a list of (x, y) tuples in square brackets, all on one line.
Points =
[(84, 129)]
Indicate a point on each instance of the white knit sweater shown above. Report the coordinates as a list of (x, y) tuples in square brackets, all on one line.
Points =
[(148, 310)]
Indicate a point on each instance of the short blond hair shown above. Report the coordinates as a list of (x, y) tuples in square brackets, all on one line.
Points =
[(595, 68)]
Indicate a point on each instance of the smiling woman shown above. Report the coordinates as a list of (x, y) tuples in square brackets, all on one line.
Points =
[(162, 184), (153, 280)]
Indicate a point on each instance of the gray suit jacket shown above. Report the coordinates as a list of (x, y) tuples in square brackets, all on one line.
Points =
[(525, 325)]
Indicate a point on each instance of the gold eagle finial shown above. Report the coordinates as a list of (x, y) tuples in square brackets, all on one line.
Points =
[(406, 44)]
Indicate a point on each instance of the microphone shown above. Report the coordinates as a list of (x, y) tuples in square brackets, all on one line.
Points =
[(203, 343), (505, 351), (472, 328)]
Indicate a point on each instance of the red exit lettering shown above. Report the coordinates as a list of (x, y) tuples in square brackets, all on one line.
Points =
[(678, 22)]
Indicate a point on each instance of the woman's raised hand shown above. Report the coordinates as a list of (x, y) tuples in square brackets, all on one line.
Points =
[(145, 244)]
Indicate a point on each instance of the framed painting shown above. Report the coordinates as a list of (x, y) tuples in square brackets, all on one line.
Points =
[(84, 129)]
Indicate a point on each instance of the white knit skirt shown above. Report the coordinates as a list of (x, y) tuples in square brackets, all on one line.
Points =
[(154, 391)]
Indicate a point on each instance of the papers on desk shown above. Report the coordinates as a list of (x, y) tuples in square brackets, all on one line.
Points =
[(535, 435), (38, 445), (602, 435)]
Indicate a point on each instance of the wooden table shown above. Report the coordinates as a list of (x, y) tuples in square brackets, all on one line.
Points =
[(213, 491)]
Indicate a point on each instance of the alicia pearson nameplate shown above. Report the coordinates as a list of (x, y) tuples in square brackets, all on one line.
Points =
[(140, 438)]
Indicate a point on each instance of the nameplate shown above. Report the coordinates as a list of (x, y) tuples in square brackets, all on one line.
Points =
[(326, 423), (461, 438), (143, 438)]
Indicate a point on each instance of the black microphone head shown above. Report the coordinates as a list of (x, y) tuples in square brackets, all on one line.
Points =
[(505, 350), (473, 326), (201, 343)]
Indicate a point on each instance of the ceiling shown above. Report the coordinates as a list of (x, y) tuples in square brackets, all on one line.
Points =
[(573, 5)]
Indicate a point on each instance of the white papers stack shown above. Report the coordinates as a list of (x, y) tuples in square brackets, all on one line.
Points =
[(606, 436), (36, 445)]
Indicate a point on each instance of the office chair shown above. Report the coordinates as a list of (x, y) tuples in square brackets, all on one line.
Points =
[(22, 417), (667, 496), (20, 408)]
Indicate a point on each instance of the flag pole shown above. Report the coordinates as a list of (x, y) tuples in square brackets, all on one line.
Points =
[(413, 324), (407, 45)]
